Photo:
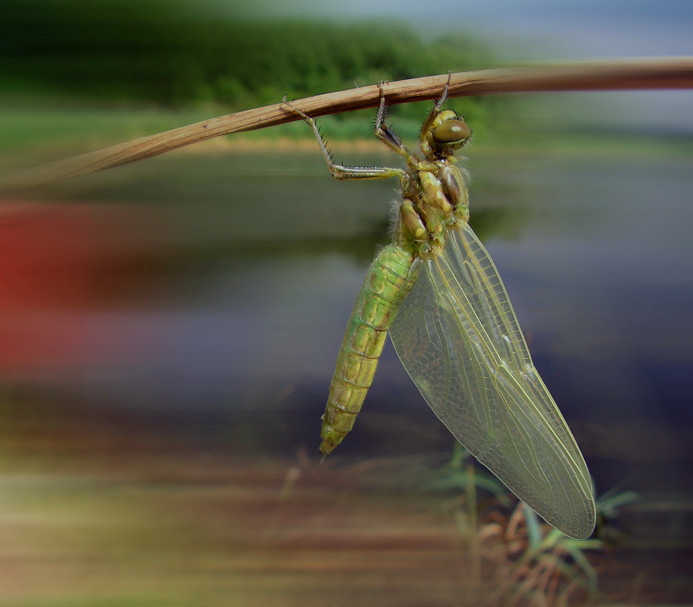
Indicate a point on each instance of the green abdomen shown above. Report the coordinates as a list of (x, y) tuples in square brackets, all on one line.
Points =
[(387, 282)]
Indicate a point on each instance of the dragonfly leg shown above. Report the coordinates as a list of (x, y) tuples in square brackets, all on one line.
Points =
[(435, 110), (340, 171), (386, 134)]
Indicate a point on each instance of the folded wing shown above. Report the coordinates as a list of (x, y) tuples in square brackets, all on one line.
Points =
[(458, 338)]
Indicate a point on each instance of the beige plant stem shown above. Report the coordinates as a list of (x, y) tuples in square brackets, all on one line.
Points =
[(605, 75)]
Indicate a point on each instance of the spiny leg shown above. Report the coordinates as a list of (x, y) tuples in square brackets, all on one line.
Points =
[(433, 114), (386, 134), (340, 171)]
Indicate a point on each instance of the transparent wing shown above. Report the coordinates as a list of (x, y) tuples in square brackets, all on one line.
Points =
[(458, 338)]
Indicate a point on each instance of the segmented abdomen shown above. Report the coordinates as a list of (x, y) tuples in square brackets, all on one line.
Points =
[(387, 282)]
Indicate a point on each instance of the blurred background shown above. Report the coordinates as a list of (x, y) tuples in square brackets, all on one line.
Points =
[(168, 329)]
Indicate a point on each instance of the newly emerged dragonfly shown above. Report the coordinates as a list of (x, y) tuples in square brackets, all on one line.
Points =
[(438, 293)]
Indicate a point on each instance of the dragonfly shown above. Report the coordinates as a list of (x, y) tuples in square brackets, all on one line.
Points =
[(438, 294)]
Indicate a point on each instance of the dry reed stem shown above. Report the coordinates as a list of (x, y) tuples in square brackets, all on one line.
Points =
[(654, 73)]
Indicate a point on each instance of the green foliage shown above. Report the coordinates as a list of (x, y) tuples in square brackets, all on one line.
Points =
[(169, 52), (455, 475), (531, 562), (545, 566)]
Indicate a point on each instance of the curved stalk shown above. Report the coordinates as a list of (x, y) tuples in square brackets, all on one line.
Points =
[(629, 74)]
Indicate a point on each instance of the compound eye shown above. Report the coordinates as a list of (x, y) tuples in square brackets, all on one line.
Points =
[(452, 131)]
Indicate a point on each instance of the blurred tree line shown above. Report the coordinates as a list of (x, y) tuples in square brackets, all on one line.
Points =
[(173, 53)]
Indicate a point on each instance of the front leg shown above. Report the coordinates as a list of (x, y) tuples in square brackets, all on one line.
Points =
[(340, 171), (433, 114), (387, 135)]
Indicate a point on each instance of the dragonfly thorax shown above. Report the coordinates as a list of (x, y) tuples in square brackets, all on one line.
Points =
[(434, 200)]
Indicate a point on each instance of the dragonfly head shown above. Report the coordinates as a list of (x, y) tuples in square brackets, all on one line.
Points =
[(447, 133)]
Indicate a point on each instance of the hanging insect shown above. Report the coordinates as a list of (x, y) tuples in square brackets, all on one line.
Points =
[(437, 292)]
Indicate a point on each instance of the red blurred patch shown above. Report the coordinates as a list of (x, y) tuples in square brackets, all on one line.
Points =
[(55, 262)]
